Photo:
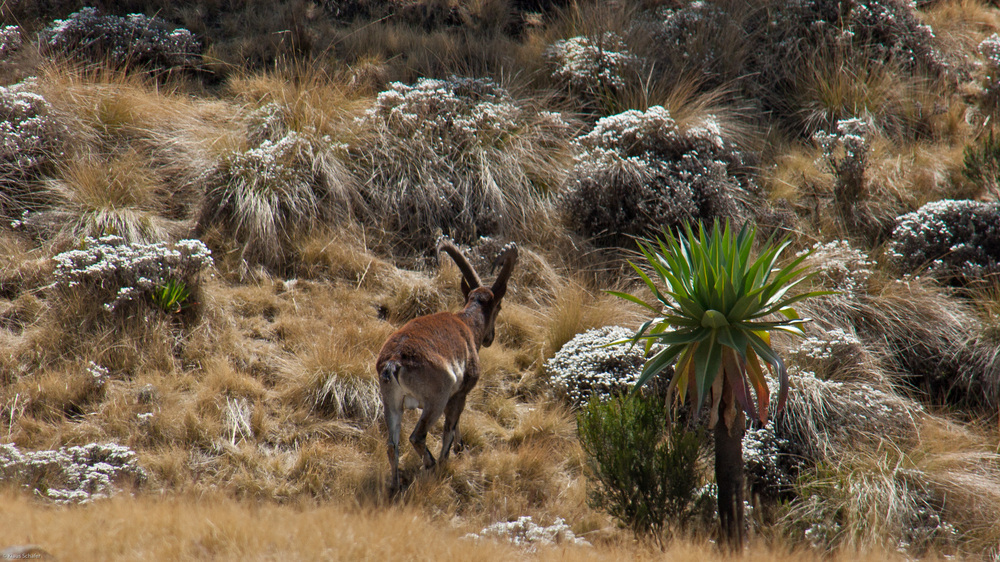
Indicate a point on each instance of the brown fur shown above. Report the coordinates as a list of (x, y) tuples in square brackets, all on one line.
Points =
[(432, 362)]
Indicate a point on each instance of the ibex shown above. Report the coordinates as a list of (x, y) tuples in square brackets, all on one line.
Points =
[(432, 362)]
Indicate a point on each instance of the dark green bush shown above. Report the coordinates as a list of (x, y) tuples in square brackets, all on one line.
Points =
[(647, 469)]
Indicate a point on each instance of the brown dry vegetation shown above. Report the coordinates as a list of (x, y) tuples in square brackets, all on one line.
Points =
[(254, 411)]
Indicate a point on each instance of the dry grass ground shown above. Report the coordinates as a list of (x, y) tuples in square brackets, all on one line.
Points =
[(217, 527)]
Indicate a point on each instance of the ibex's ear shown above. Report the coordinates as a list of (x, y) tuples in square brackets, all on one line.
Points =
[(506, 259)]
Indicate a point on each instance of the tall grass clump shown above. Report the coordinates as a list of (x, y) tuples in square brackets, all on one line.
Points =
[(638, 172), (459, 155), (265, 197)]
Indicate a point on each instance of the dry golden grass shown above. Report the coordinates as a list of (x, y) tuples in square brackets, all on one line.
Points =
[(186, 526)]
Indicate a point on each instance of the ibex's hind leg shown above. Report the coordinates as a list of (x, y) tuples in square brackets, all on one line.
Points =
[(418, 438), (452, 435), (393, 421)]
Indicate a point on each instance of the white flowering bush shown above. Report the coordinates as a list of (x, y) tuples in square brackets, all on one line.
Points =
[(135, 40), (841, 267), (72, 475), (525, 533), (954, 239), (263, 197), (592, 65), (11, 40), (638, 173), (460, 155), (120, 276), (826, 418), (846, 152), (585, 366), (29, 140)]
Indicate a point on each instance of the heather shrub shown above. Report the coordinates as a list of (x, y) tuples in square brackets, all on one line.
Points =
[(646, 468), (588, 366), (638, 173), (846, 152), (592, 68), (458, 155), (11, 40), (135, 40), (121, 279), (29, 140), (266, 196), (706, 41), (72, 475), (989, 48), (956, 240), (525, 533)]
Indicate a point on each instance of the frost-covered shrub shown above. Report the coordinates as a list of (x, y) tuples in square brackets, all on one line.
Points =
[(841, 267), (11, 40), (883, 30), (29, 140), (135, 40), (824, 418), (701, 39), (460, 155), (638, 173), (265, 196), (846, 153), (72, 474), (527, 534), (584, 367), (954, 239), (592, 65), (121, 277)]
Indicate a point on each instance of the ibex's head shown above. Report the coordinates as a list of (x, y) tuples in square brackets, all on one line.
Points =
[(488, 299)]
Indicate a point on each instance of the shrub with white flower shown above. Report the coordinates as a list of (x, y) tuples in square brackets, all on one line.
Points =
[(955, 239), (72, 475), (846, 153), (841, 267), (29, 140), (135, 40), (527, 534), (585, 367), (460, 155), (122, 276), (638, 173), (11, 40), (590, 64), (266, 195)]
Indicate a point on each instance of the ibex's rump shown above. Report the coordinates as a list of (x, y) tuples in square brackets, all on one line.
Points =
[(432, 362)]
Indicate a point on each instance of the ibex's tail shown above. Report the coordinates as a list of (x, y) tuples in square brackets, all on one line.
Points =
[(390, 371)]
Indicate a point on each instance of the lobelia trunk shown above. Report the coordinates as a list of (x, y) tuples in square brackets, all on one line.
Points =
[(730, 482)]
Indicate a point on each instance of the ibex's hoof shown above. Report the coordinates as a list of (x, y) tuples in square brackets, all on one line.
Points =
[(458, 447)]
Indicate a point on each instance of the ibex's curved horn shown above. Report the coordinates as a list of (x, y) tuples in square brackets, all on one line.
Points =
[(507, 257), (470, 280)]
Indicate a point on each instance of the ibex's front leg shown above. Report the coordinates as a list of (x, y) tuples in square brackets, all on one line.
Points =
[(418, 438), (452, 436)]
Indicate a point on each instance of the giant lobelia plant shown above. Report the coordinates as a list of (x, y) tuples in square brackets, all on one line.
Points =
[(715, 314)]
